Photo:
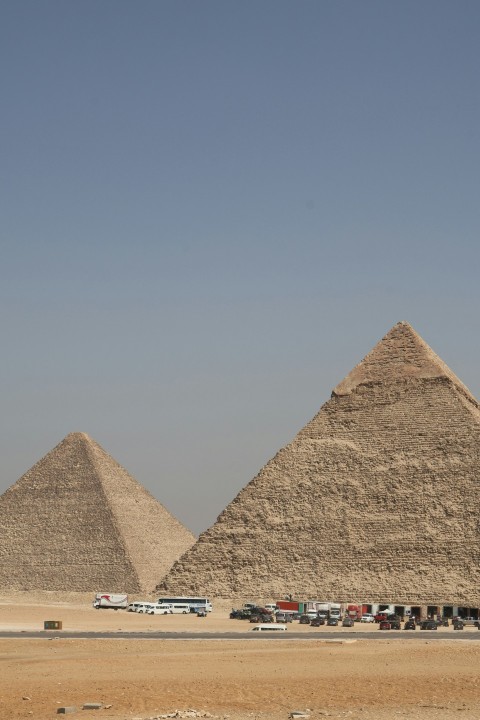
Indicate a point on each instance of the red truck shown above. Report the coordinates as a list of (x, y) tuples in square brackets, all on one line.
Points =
[(355, 611), (289, 605)]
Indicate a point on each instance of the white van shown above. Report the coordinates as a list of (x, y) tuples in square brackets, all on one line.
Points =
[(271, 606), (160, 609), (267, 627), (143, 607), (133, 606)]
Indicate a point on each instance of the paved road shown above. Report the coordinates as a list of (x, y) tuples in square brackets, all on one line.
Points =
[(289, 635)]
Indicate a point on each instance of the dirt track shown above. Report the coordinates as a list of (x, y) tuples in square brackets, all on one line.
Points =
[(243, 679)]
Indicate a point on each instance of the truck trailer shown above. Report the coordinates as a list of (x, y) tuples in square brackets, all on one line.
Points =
[(110, 600), (289, 606)]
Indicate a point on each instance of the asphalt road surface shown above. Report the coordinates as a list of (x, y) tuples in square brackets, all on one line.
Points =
[(288, 635)]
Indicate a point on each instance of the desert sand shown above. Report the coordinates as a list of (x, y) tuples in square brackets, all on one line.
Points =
[(240, 679)]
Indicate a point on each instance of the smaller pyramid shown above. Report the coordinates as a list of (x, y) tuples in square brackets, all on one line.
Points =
[(77, 521)]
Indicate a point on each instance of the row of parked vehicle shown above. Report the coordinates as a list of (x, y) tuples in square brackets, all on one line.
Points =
[(320, 620), (255, 614), (267, 614), (386, 621), (149, 608)]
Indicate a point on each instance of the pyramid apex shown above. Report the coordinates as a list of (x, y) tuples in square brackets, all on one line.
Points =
[(401, 354), (78, 436), (76, 439), (403, 324)]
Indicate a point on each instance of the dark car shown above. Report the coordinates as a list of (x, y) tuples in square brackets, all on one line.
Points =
[(384, 625), (458, 625), (348, 622), (395, 623), (266, 618), (304, 620), (428, 625), (333, 622), (316, 622), (410, 625), (283, 618)]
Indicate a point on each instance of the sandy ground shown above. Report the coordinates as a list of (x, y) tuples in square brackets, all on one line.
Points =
[(265, 679)]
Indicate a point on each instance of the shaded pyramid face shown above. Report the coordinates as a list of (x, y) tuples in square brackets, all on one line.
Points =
[(77, 521), (375, 500)]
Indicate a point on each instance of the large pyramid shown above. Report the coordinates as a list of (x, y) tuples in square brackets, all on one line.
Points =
[(78, 521), (375, 500)]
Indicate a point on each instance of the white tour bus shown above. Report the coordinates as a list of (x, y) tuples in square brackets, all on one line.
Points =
[(194, 603), (176, 608)]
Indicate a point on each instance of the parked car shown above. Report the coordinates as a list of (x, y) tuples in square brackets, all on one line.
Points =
[(458, 625), (410, 625), (240, 614), (395, 622), (367, 618), (348, 622), (283, 618), (428, 625), (332, 622), (384, 625), (305, 620), (317, 621)]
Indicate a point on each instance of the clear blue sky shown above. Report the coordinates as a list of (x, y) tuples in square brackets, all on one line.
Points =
[(210, 212)]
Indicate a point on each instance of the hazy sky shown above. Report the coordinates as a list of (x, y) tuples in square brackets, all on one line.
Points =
[(211, 211)]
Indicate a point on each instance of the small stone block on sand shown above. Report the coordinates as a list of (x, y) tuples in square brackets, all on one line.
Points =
[(65, 710), (92, 706)]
